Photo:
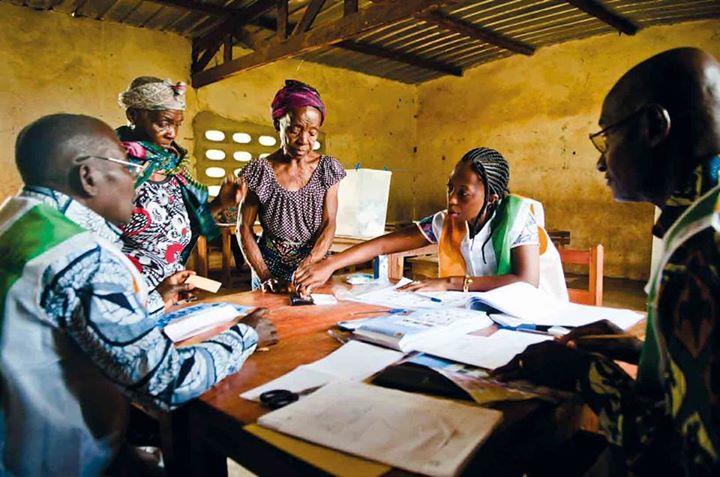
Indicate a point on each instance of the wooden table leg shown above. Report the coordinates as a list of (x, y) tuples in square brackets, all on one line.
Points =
[(202, 257), (226, 257)]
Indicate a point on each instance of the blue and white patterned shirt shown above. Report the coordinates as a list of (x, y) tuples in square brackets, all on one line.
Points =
[(76, 342)]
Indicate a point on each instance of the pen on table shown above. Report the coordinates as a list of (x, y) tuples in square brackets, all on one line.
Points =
[(429, 297), (605, 337), (187, 300)]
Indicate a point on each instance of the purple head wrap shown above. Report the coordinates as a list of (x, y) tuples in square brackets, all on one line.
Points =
[(295, 95)]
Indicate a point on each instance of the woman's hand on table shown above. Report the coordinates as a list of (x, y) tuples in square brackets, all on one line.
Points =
[(174, 288), (257, 320), (310, 275)]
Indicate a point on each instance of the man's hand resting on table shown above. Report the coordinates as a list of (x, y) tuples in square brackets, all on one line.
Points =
[(623, 348), (257, 320)]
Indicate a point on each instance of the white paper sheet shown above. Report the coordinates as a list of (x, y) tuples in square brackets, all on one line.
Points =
[(406, 430), (577, 315), (352, 361), (200, 322), (324, 299), (391, 297), (488, 352), (520, 299)]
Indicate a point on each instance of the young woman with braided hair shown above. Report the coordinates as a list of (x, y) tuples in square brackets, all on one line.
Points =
[(486, 238)]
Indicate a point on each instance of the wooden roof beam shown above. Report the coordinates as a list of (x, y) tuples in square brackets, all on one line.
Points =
[(235, 19), (407, 58), (311, 12), (350, 7), (485, 35), (193, 6), (604, 14), (345, 28)]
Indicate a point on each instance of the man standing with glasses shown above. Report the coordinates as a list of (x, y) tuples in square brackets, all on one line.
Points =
[(75, 336), (659, 143)]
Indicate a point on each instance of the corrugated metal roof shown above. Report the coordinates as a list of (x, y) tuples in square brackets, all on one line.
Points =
[(534, 22)]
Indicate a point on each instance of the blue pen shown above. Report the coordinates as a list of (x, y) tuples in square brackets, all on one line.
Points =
[(429, 297)]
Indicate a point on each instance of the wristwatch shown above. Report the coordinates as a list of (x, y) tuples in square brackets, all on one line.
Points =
[(466, 283)]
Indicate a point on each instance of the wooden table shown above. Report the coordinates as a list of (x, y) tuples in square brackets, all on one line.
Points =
[(217, 419)]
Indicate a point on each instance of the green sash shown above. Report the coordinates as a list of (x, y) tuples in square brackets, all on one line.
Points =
[(38, 230), (501, 225)]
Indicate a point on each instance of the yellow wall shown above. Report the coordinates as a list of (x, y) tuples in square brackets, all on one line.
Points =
[(54, 63), (538, 112)]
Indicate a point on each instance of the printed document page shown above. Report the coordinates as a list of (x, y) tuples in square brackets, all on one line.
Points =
[(411, 431)]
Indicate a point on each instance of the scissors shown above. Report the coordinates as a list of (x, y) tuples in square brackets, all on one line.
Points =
[(278, 398)]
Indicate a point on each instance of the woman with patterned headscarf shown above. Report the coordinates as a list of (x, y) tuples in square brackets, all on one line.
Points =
[(486, 237), (293, 191), (171, 206)]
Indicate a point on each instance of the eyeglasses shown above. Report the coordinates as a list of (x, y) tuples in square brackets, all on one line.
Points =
[(599, 139), (134, 169)]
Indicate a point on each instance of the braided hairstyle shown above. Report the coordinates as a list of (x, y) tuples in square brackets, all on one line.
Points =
[(494, 172)]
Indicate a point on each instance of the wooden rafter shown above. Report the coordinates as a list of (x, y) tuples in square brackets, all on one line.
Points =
[(236, 18), (345, 28), (194, 6), (402, 57), (350, 7), (282, 19), (311, 12), (368, 49), (485, 35), (602, 13)]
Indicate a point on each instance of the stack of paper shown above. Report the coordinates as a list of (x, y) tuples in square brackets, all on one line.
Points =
[(410, 431), (406, 332), (533, 306), (488, 352), (200, 321), (352, 361)]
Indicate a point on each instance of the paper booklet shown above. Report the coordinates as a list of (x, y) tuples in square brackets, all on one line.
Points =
[(197, 319), (410, 431), (533, 306), (407, 331)]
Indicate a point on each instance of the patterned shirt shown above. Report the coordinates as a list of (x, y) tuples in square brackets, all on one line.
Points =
[(672, 427), (76, 341), (159, 231), (290, 219)]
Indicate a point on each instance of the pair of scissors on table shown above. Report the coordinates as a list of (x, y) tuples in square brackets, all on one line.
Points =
[(278, 398)]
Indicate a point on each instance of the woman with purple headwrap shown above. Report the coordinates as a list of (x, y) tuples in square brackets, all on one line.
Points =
[(293, 191)]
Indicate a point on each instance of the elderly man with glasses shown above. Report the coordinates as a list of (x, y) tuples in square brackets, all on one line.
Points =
[(659, 143), (76, 340)]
